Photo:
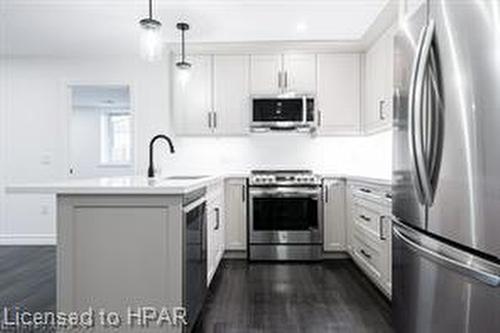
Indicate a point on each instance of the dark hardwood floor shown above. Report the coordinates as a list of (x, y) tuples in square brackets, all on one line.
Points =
[(28, 277), (332, 296)]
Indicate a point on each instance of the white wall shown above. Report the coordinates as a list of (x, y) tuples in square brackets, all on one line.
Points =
[(36, 111), (36, 131), (85, 146)]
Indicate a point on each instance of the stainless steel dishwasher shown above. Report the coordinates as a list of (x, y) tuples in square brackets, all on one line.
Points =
[(194, 255)]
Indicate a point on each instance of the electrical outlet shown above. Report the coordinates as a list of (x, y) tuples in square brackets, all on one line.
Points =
[(45, 210), (46, 158)]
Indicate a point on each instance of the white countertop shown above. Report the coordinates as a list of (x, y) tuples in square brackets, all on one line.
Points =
[(117, 185), (361, 179), (143, 185)]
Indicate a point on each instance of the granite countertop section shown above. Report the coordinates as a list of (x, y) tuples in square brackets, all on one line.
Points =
[(118, 185)]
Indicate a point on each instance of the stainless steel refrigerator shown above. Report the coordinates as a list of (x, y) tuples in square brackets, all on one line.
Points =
[(446, 168)]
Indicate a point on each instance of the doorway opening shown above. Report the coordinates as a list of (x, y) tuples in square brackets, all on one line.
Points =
[(101, 140)]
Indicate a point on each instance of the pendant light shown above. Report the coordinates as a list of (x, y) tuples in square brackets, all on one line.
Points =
[(151, 41), (183, 64)]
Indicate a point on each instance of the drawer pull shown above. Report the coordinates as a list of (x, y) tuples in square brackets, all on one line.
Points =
[(381, 228), (217, 218), (364, 217), (367, 255), (365, 190)]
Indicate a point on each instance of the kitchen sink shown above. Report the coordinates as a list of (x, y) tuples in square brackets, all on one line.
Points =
[(185, 177)]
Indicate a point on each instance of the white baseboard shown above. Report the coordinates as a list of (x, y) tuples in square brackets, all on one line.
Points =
[(28, 239)]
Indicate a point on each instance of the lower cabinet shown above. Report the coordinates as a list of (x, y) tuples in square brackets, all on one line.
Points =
[(215, 228), (236, 214), (369, 231), (334, 233)]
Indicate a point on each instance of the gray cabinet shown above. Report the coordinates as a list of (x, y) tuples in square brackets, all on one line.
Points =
[(119, 251)]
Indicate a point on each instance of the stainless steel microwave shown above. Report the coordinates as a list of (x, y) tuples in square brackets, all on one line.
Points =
[(282, 113)]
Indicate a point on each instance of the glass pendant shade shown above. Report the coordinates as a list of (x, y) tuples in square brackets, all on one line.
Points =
[(151, 40)]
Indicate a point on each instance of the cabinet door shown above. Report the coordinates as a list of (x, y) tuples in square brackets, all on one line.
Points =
[(338, 98), (387, 250), (236, 214), (231, 94), (334, 215), (377, 113), (265, 72), (349, 218), (193, 97), (300, 73), (211, 243)]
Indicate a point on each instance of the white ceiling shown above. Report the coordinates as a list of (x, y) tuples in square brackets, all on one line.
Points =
[(69, 27)]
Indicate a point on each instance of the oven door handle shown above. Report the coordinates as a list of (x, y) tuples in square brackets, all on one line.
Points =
[(281, 192)]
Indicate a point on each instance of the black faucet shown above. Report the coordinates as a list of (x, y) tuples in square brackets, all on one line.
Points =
[(151, 170)]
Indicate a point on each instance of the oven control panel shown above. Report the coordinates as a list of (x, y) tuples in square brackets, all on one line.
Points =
[(284, 178)]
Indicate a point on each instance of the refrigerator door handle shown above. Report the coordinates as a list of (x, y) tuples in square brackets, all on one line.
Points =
[(419, 106), (453, 258), (411, 116)]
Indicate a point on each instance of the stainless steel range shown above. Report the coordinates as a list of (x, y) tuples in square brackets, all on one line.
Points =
[(285, 219)]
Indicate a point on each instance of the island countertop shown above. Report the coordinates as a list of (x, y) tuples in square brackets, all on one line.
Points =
[(118, 185)]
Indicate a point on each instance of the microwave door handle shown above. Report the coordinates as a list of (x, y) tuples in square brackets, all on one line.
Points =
[(304, 109)]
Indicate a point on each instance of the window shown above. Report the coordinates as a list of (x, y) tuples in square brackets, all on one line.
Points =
[(116, 145)]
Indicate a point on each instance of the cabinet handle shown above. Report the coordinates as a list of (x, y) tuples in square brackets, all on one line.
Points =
[(280, 84), (381, 114), (364, 217), (319, 118), (365, 190), (381, 228), (363, 252), (286, 79), (210, 120), (243, 193), (217, 218), (326, 193), (215, 119)]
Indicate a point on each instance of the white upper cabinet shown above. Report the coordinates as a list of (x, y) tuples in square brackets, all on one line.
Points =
[(338, 98), (192, 100), (212, 98), (377, 108), (266, 73), (276, 73), (299, 73), (231, 94)]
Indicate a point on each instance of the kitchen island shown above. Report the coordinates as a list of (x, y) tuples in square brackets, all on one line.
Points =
[(123, 246)]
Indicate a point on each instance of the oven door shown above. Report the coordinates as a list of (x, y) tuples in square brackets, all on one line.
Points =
[(285, 215)]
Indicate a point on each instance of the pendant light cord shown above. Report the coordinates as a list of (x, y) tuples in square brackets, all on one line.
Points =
[(150, 9)]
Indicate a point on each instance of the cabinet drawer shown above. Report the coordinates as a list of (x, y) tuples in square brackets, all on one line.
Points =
[(369, 256), (377, 194), (367, 220)]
